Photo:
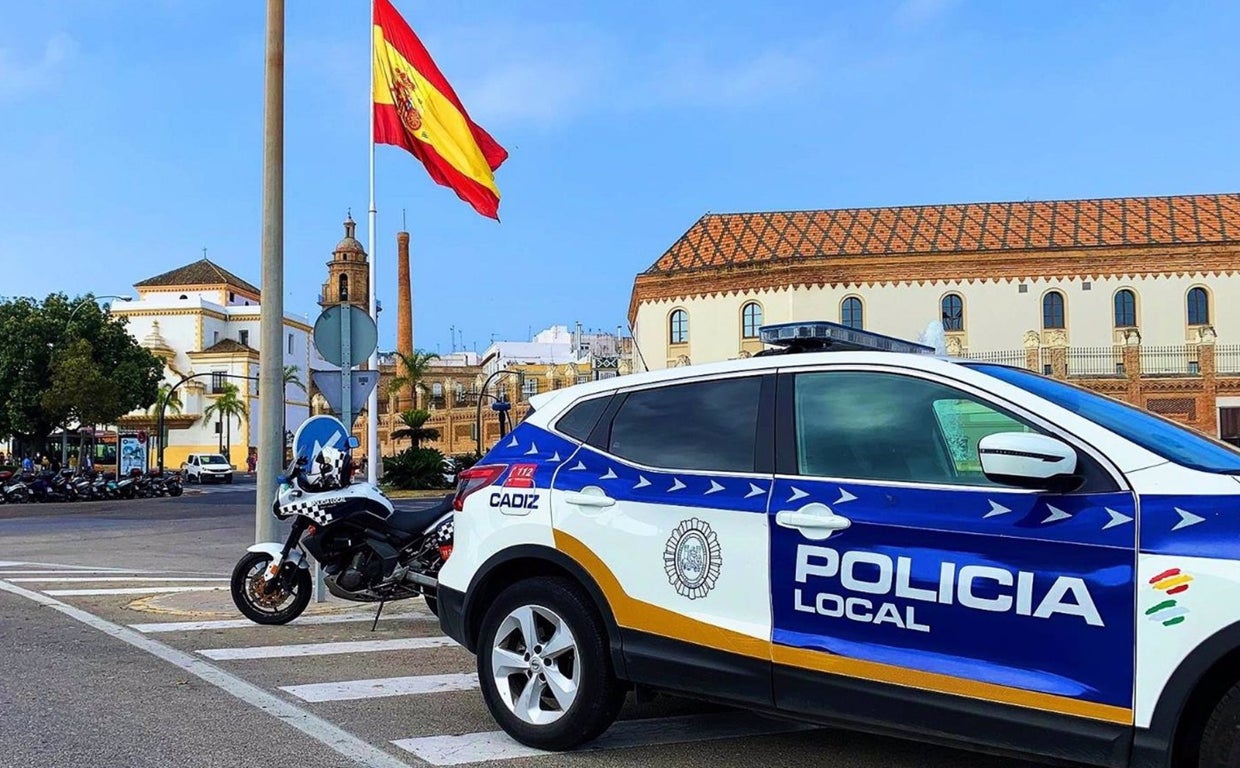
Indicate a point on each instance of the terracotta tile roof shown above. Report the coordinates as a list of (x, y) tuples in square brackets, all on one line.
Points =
[(225, 345), (201, 272), (748, 239)]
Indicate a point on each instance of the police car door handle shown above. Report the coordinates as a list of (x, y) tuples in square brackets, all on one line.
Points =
[(589, 499), (822, 520)]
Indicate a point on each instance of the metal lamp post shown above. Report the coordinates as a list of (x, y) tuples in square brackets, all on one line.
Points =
[(159, 419)]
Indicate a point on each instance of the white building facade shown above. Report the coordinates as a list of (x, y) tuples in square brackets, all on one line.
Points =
[(203, 321)]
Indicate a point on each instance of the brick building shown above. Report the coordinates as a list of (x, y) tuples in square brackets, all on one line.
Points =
[(1126, 295)]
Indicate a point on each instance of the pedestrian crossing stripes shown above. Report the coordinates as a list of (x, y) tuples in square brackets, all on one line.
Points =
[(345, 618), (128, 591), (84, 579), (382, 687), (497, 745), (326, 649)]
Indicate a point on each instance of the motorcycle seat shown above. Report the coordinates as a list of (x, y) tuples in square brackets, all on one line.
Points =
[(416, 520)]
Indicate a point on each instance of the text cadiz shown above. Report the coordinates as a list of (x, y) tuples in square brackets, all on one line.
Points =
[(873, 573)]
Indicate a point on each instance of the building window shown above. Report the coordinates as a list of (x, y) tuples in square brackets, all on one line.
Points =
[(1053, 311), (344, 288), (290, 343), (529, 387), (1125, 309), (751, 320), (215, 337), (437, 394), (851, 313), (1198, 307), (953, 312), (218, 380), (678, 327), (244, 337)]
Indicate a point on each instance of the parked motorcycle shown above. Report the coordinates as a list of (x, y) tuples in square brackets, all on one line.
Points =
[(369, 551)]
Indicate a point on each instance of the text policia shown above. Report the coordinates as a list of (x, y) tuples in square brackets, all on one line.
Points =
[(873, 573)]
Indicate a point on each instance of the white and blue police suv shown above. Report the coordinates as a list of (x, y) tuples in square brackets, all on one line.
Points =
[(846, 529)]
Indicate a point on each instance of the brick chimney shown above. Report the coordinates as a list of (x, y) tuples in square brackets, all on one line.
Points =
[(404, 312)]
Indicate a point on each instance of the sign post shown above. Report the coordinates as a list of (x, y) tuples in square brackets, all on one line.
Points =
[(345, 336)]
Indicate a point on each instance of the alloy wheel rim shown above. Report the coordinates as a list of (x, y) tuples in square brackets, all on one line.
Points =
[(535, 664), (267, 601)]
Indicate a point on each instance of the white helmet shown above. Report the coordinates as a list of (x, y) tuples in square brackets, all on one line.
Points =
[(326, 470)]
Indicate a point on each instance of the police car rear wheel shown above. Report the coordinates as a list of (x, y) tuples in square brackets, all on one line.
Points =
[(1220, 742), (544, 665)]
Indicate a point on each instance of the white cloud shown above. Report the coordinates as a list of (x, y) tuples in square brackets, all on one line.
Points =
[(738, 82), (22, 77), (530, 90), (915, 12)]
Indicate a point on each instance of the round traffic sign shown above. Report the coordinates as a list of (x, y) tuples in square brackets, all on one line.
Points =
[(318, 432), (329, 333)]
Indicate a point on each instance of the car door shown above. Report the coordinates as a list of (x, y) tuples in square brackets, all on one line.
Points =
[(665, 506), (905, 579)]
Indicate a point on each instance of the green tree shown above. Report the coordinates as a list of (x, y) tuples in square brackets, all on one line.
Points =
[(66, 360), (170, 402), (415, 428), (228, 406), (410, 369)]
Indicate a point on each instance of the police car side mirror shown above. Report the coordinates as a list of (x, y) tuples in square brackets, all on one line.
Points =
[(1029, 460)]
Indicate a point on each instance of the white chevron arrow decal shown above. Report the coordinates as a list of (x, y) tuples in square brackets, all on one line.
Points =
[(714, 488), (1056, 515), (996, 509), (1117, 518), (1186, 519), (797, 493), (754, 491), (514, 443), (577, 468), (611, 475), (845, 497), (533, 449), (642, 482), (676, 485), (555, 457)]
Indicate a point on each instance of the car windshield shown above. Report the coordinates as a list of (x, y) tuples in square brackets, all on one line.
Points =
[(216, 459), (1153, 433)]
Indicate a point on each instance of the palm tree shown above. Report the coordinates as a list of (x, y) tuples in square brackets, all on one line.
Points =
[(227, 406), (292, 377), (409, 371), (171, 403), (414, 429)]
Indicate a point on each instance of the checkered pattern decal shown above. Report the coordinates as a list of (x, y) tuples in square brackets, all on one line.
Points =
[(312, 509)]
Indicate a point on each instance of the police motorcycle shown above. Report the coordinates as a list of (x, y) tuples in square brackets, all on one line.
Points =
[(369, 551)]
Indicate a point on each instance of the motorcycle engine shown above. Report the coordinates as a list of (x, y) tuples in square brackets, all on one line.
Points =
[(363, 569)]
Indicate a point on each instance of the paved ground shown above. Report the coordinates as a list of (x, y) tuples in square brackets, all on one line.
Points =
[(167, 673)]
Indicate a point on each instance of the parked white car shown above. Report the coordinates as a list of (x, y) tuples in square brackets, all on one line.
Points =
[(207, 468), (943, 549)]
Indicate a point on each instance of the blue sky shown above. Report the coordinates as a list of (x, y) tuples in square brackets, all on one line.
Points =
[(130, 132)]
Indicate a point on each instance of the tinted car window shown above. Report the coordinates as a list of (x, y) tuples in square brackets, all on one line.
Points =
[(709, 425), (874, 426), (582, 417)]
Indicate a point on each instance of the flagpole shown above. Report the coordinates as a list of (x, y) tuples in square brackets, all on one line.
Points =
[(373, 456)]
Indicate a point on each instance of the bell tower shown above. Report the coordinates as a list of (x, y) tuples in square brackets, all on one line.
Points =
[(348, 274)]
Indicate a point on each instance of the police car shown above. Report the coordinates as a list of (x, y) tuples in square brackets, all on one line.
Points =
[(942, 549)]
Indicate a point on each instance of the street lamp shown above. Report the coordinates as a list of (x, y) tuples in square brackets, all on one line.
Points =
[(93, 299), (159, 420)]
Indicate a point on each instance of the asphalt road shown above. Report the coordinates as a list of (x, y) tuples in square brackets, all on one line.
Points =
[(193, 686)]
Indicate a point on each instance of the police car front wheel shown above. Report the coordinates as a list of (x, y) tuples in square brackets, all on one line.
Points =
[(544, 665), (1220, 743)]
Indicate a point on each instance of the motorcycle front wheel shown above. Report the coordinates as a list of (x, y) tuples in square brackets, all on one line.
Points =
[(269, 602)]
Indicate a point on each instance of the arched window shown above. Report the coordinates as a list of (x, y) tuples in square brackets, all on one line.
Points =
[(1053, 310), (953, 312), (678, 327), (751, 320), (1125, 309), (344, 288), (1198, 307), (851, 313)]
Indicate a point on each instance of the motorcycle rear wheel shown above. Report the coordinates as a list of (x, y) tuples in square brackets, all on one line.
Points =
[(246, 593)]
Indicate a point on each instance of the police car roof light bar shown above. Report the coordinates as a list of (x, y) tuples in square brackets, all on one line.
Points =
[(823, 336)]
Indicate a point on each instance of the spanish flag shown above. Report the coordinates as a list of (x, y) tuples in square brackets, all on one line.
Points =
[(417, 109)]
